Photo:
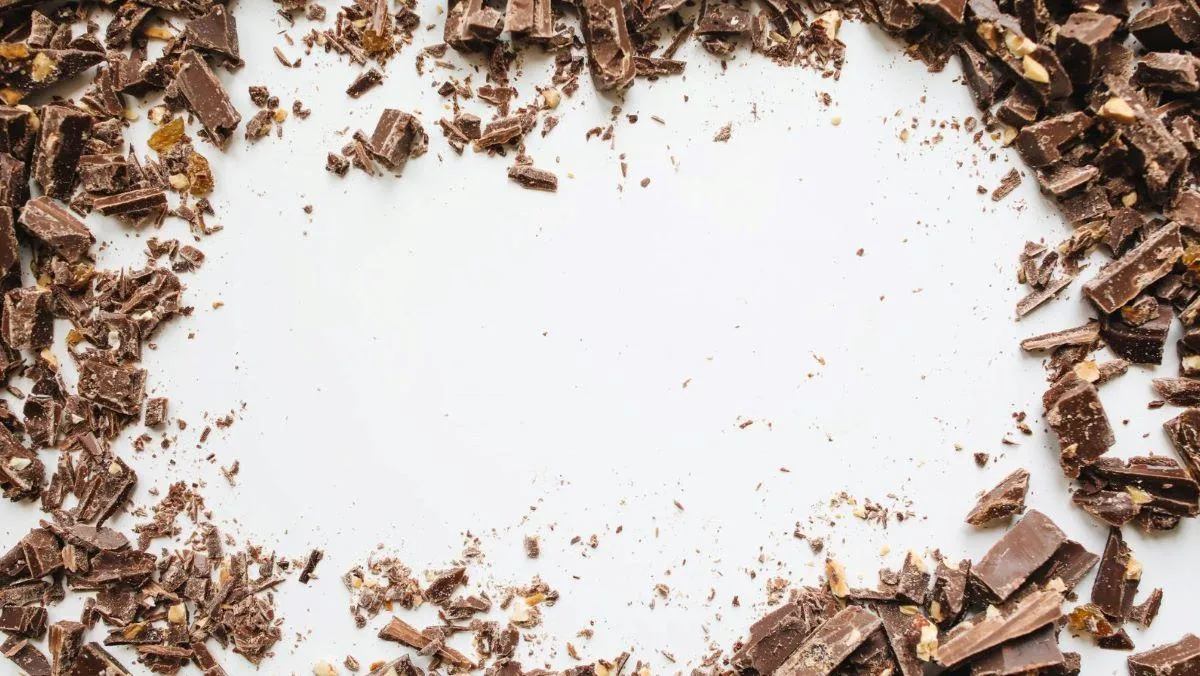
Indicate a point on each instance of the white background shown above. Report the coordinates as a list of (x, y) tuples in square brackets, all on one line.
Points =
[(446, 353)]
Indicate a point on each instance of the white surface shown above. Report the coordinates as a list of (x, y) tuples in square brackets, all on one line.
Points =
[(446, 352)]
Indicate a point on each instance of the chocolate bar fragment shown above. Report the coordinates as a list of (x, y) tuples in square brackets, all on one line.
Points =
[(1075, 414), (14, 183), (1025, 655), (831, 643), (1142, 343), (1114, 508), (948, 599), (363, 83), (1069, 565), (21, 473), (215, 33), (28, 320), (1122, 280), (18, 131), (156, 412), (1003, 501), (1087, 334), (1116, 579), (1168, 71), (1027, 615), (56, 229), (1041, 143), (610, 52), (1159, 487), (106, 490), (398, 136), (26, 656), (950, 12), (531, 178), (206, 97), (43, 552), (120, 388), (94, 659), (132, 203), (1024, 549), (41, 67), (60, 143), (1178, 391), (531, 19), (780, 633), (1166, 26), (1038, 297), (23, 621), (65, 644), (1145, 612), (1184, 432), (903, 631), (310, 565), (1080, 41), (1181, 658), (401, 632)]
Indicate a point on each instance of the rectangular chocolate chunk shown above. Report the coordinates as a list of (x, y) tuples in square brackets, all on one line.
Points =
[(1041, 143), (1181, 658), (156, 412), (1168, 71), (1075, 414), (903, 631), (28, 319), (1080, 41), (1157, 482), (65, 643), (1080, 335), (60, 143), (398, 136), (57, 229), (206, 97), (1141, 343), (529, 18), (1004, 500), (364, 82), (120, 388), (831, 643), (1184, 432), (1026, 547), (1027, 615), (779, 634), (28, 659), (531, 178), (1026, 655), (23, 621), (610, 52), (1116, 578), (1122, 280), (402, 632), (1069, 565), (1178, 391), (14, 182), (94, 659), (949, 591), (132, 203)]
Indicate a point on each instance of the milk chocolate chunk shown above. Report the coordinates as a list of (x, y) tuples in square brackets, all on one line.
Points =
[(14, 182), (903, 632), (1168, 71), (1140, 344), (1061, 179), (23, 621), (156, 412), (1181, 658), (1155, 482), (65, 643), (60, 142), (1055, 84), (529, 18), (1026, 547), (1075, 414), (1184, 432), (1116, 578), (948, 599), (950, 12), (1115, 508), (120, 388), (780, 633), (831, 643), (1086, 334), (1039, 297), (982, 79), (105, 491), (1029, 654), (364, 82), (26, 656), (43, 552), (18, 131), (1070, 564), (398, 136), (1003, 501), (531, 178), (28, 320), (1041, 143), (1178, 391), (215, 33), (57, 229), (199, 86), (1025, 616), (40, 68), (610, 52), (1123, 279), (21, 473), (132, 203), (94, 660), (1018, 109), (1166, 26), (401, 632), (205, 661), (1145, 612), (722, 18), (1079, 43)]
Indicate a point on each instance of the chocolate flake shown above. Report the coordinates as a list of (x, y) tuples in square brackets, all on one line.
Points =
[(1003, 501)]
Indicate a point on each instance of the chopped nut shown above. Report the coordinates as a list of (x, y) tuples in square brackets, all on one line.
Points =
[(830, 22), (177, 614), (1117, 109), (1019, 45), (324, 668), (1034, 71), (837, 578), (42, 68), (551, 97)]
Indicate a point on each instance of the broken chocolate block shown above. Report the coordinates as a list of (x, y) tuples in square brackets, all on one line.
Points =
[(1178, 391), (529, 18), (60, 143), (1173, 659), (206, 97), (57, 229), (1074, 412), (1166, 26), (1041, 143), (1116, 579), (156, 412), (1035, 653), (23, 621), (781, 632), (28, 320), (1140, 344), (1184, 432), (1026, 547), (398, 136), (1086, 334), (1079, 43), (215, 33), (28, 659), (1027, 615), (949, 12), (65, 643), (118, 387), (401, 632), (1003, 501), (363, 83), (832, 642), (610, 52), (133, 203), (529, 177), (1168, 71)]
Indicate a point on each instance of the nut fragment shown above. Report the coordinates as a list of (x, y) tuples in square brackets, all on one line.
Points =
[(1019, 45), (927, 646), (177, 614), (1034, 71), (551, 97), (830, 22), (836, 575), (324, 668), (42, 68), (1117, 109)]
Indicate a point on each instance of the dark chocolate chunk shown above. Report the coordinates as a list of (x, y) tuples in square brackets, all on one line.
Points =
[(949, 12), (1027, 615), (1115, 508), (1070, 564), (94, 660), (14, 182), (903, 631), (1116, 578), (65, 643), (527, 176), (118, 387), (1003, 501), (398, 136), (401, 632), (1024, 549), (23, 621), (1155, 482), (1178, 391), (1141, 344), (1074, 412), (1041, 143), (132, 203), (1032, 653), (781, 632), (1168, 71), (1018, 109), (1079, 42), (1174, 659), (18, 131), (1122, 280), (1184, 432), (57, 229), (156, 412), (310, 565), (610, 52), (199, 86), (1166, 26), (60, 143), (364, 82), (26, 656), (215, 33), (831, 643), (1145, 612), (28, 320)]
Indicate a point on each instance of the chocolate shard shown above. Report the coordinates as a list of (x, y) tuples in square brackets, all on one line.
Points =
[(1173, 659), (531, 19), (1041, 143), (362, 83), (1116, 579), (1115, 508), (23, 621), (401, 632), (398, 136), (1003, 501), (205, 661), (1178, 391), (1184, 432), (60, 143), (1166, 26), (1080, 41), (948, 599), (1062, 179), (199, 86), (782, 631), (65, 644), (950, 12), (215, 33), (722, 18), (1039, 297), (1145, 612), (21, 472), (1024, 549), (1027, 615), (831, 643), (18, 131), (40, 68), (132, 203), (1069, 565), (1142, 343), (913, 583), (43, 552), (1086, 334), (28, 319), (1075, 414), (28, 659), (1029, 654), (531, 178), (1154, 482), (610, 52), (120, 388), (95, 660), (1168, 71), (14, 183), (903, 631), (56, 229)]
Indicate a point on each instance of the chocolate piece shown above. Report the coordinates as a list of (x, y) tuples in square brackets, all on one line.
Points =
[(950, 12), (1003, 501), (1074, 412), (43, 553), (39, 68), (1115, 508), (156, 412), (831, 643), (60, 142), (207, 98), (529, 18), (107, 488), (1156, 483), (1008, 183), (397, 137), (120, 566), (401, 632), (1168, 71), (1025, 655), (1116, 578), (205, 661), (1122, 224), (1178, 391), (310, 565), (120, 388), (1145, 612), (722, 19), (57, 229), (93, 660), (782, 631), (1141, 344), (1118, 640), (1038, 297), (364, 82), (532, 178), (610, 52), (1018, 109), (24, 621), (903, 631), (1184, 432), (215, 32), (132, 203), (1027, 615), (1041, 143), (26, 656), (65, 643), (1181, 658), (14, 183), (1086, 334), (1062, 179), (18, 131), (1079, 42), (949, 591), (21, 473), (28, 322), (1166, 26), (1016, 556)]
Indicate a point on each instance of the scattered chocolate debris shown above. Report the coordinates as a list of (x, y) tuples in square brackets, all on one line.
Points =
[(1003, 501)]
